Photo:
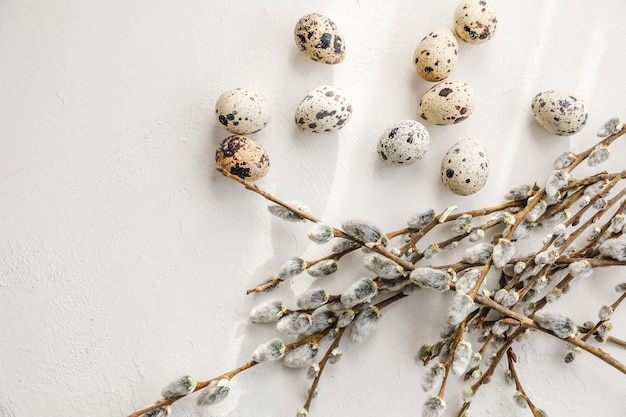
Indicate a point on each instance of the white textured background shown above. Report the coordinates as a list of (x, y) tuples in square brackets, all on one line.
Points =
[(124, 258)]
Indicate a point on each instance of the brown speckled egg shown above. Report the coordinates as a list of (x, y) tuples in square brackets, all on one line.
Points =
[(324, 110), (436, 55), (475, 20), (242, 156), (559, 112), (447, 103), (465, 167), (403, 143), (242, 111), (319, 38)]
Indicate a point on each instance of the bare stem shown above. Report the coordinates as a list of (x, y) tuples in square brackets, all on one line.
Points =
[(323, 362), (518, 385), (458, 336)]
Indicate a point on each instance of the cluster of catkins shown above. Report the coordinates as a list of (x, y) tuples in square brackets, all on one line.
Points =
[(520, 283), (521, 280)]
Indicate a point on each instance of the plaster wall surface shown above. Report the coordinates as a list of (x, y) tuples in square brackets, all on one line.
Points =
[(125, 258)]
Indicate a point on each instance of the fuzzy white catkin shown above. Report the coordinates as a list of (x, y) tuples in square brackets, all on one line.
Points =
[(604, 329), (335, 355), (293, 266), (360, 291), (617, 223), (462, 225), (270, 351), (383, 267), (518, 193), (499, 295), (611, 127), (345, 318), (215, 392), (321, 233), (323, 268), (561, 326), (343, 245), (312, 298), (462, 358), (503, 252), (614, 248), (432, 376), (364, 324), (541, 283), (556, 179), (580, 269), (461, 306), (321, 319), (524, 229), (553, 199), (520, 399), (599, 204), (595, 188), (361, 230), (519, 267), (600, 154), (294, 324), (559, 229), (313, 371), (546, 257), (286, 214), (159, 412), (467, 281), (300, 357), (478, 253), (537, 211), (564, 160), (433, 407), (605, 312), (182, 386), (476, 235), (432, 251), (434, 279), (419, 220), (510, 299), (302, 412), (499, 327), (267, 312)]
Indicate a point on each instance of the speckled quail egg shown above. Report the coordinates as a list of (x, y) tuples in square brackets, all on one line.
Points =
[(319, 38), (436, 55), (326, 109), (447, 103), (242, 111), (242, 156), (475, 20), (404, 143), (559, 112), (465, 167)]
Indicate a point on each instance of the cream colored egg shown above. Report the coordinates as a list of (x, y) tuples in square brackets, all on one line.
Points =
[(465, 167), (326, 109), (436, 55), (320, 39), (242, 156), (242, 111), (475, 21), (403, 143), (559, 112), (447, 103)]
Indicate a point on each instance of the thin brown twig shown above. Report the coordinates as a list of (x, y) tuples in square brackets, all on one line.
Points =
[(518, 385)]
